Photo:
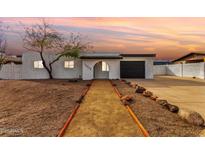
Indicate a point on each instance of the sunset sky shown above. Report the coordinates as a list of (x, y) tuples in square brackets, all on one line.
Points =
[(169, 38)]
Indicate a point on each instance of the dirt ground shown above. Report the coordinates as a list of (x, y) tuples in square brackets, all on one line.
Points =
[(36, 107), (156, 120), (102, 114), (184, 92)]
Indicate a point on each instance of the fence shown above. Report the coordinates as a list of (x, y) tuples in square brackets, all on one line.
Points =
[(11, 71), (182, 70)]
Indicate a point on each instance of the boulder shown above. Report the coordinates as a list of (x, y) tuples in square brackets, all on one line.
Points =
[(134, 85), (124, 102), (147, 93), (191, 117), (140, 89), (162, 102), (127, 99), (172, 108), (166, 105), (153, 97)]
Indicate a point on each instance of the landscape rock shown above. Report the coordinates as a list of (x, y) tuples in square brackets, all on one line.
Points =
[(191, 117), (147, 93), (134, 85), (162, 102), (124, 102), (172, 108), (140, 89), (127, 99), (153, 97)]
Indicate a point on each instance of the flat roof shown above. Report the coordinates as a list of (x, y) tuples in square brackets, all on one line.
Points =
[(138, 55), (111, 55), (100, 55)]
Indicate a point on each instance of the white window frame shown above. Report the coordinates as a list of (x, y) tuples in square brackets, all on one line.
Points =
[(105, 67), (69, 64), (38, 64)]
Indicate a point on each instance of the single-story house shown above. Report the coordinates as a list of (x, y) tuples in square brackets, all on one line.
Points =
[(189, 65), (90, 65), (193, 57)]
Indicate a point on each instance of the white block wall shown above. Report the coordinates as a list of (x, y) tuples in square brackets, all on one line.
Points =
[(160, 70), (174, 69), (11, 71), (182, 70), (193, 70)]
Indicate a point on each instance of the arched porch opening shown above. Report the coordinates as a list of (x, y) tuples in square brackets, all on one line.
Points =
[(101, 70)]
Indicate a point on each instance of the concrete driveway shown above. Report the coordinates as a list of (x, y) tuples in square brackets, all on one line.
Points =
[(185, 92)]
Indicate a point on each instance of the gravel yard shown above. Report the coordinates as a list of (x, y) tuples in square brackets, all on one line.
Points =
[(156, 120), (36, 107)]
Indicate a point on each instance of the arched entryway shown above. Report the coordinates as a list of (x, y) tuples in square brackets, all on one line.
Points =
[(101, 70)]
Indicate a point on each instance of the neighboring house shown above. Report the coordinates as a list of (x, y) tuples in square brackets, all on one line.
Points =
[(190, 65), (192, 57), (161, 62), (11, 69), (13, 59), (90, 65)]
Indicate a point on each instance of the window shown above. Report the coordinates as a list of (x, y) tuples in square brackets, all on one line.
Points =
[(69, 64), (38, 64), (105, 66)]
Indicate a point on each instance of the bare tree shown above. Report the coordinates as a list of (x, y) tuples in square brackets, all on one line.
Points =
[(2, 47), (42, 37)]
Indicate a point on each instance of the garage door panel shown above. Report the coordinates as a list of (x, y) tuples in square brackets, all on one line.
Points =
[(132, 69)]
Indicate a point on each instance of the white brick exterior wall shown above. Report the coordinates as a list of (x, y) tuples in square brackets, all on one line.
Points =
[(83, 68), (59, 72)]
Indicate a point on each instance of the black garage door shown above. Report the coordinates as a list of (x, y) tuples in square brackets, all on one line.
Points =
[(132, 69)]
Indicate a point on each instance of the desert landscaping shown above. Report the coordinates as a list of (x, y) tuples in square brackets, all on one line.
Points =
[(156, 118), (37, 107), (41, 108), (185, 92)]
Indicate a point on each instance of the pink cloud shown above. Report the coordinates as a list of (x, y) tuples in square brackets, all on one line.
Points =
[(168, 37)]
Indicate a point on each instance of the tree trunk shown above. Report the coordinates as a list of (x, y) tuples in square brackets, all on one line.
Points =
[(46, 67), (50, 75)]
